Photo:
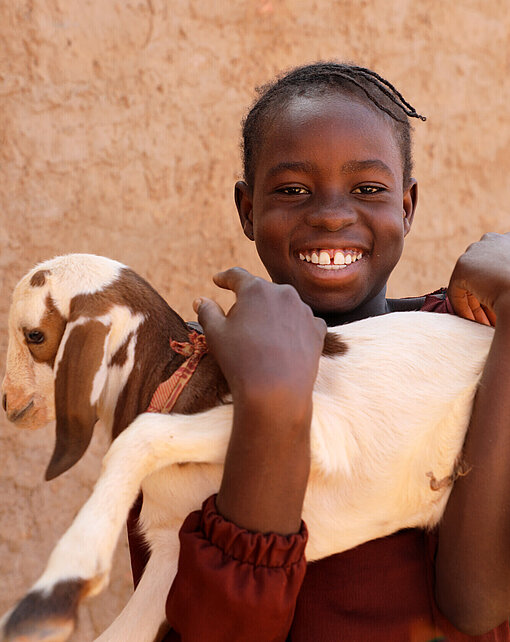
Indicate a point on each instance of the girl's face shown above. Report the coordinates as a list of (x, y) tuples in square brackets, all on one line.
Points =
[(327, 209)]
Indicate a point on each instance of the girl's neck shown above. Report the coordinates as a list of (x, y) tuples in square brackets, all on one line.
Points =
[(372, 308)]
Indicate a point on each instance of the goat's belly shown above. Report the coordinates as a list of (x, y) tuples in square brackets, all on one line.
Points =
[(172, 493), (336, 525)]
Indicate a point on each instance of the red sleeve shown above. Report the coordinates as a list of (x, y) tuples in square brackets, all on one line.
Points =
[(438, 302), (233, 584)]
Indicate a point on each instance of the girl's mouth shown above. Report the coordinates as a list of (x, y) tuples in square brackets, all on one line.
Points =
[(331, 259)]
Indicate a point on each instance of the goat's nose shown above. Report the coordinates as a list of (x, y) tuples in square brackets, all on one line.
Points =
[(4, 402)]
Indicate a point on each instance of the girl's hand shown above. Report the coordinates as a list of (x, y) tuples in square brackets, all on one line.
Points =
[(268, 341), (268, 347), (480, 281)]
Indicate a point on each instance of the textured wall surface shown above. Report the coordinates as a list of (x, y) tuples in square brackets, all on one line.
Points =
[(119, 127)]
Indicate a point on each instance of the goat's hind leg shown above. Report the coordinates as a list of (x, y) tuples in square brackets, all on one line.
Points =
[(79, 565), (144, 615)]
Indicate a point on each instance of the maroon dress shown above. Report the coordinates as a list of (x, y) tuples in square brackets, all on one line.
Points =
[(233, 585)]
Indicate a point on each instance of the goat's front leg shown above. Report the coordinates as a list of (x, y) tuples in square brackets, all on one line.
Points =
[(79, 565)]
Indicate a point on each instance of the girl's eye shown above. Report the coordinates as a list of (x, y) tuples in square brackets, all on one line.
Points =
[(293, 190), (368, 189), (34, 336)]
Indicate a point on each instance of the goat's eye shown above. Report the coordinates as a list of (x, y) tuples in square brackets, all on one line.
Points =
[(34, 336)]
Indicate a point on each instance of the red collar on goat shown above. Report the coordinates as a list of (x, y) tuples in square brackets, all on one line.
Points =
[(167, 393)]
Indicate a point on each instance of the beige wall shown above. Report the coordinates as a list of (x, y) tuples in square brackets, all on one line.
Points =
[(119, 135)]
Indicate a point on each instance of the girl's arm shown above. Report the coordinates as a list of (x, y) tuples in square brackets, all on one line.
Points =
[(473, 558), (268, 347), (243, 584)]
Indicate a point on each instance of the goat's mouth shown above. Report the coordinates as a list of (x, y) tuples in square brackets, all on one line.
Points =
[(16, 415)]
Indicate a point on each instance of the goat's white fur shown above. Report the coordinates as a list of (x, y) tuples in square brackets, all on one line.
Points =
[(25, 379), (392, 409)]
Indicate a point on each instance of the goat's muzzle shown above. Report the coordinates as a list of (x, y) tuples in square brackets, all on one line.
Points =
[(15, 414)]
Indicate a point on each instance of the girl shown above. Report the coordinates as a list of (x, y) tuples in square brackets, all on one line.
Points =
[(328, 198)]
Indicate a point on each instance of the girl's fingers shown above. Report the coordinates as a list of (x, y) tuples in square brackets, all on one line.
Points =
[(491, 316), (233, 279), (477, 309), (458, 299), (467, 306), (197, 303), (209, 313)]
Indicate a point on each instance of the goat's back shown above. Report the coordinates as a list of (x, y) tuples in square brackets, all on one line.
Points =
[(390, 417)]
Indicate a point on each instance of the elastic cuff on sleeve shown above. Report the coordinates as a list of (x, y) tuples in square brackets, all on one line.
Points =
[(259, 549)]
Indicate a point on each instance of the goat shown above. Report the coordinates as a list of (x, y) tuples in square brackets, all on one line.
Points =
[(88, 339)]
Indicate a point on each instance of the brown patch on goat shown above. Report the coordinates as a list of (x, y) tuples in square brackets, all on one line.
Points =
[(206, 389), (52, 326), (128, 289), (74, 380), (333, 345), (155, 361), (39, 278), (53, 612), (120, 357)]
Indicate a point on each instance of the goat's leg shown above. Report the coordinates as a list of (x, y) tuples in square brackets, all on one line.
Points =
[(80, 563), (144, 614)]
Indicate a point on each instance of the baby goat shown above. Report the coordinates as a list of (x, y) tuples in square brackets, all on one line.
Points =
[(89, 339)]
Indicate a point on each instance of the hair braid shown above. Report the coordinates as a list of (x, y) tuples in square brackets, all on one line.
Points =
[(382, 83), (323, 77)]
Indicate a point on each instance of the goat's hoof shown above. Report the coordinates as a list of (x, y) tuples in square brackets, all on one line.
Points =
[(45, 615), (48, 631)]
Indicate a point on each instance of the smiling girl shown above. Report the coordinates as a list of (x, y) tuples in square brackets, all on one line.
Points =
[(328, 198)]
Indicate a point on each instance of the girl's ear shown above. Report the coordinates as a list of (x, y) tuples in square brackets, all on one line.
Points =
[(244, 203), (80, 375), (409, 205)]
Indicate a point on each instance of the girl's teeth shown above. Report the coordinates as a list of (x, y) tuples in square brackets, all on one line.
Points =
[(332, 267), (339, 258), (324, 258)]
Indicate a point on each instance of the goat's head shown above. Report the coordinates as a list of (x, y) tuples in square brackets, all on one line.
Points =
[(63, 334)]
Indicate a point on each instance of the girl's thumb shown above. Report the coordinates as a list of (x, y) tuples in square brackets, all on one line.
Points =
[(208, 312)]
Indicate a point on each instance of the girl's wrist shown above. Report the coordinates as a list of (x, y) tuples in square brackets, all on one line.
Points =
[(502, 305), (266, 470), (282, 404)]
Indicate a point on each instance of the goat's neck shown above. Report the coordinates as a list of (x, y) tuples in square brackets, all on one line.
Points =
[(155, 362), (147, 362)]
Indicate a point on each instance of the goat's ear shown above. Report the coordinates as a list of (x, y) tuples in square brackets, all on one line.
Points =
[(80, 375)]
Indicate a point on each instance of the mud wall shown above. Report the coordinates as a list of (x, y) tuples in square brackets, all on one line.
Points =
[(119, 126)]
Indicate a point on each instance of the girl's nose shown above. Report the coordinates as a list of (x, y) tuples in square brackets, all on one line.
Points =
[(332, 213)]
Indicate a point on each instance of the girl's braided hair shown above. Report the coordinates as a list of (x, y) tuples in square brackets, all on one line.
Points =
[(326, 77)]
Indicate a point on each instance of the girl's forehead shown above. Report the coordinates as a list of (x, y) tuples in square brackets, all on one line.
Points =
[(307, 125)]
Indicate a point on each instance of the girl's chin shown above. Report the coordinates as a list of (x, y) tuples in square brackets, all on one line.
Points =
[(327, 303), (329, 284)]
